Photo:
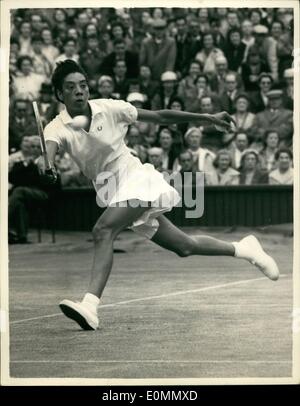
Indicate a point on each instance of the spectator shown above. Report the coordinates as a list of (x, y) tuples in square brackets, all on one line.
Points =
[(274, 116), (22, 154), (223, 174), (227, 98), (260, 99), (284, 174), (202, 90), (70, 51), (207, 57), (285, 49), (40, 63), (105, 87), (155, 158), (242, 116), (176, 103), (48, 49), (159, 51), (133, 140), (186, 170), (24, 39), (288, 91), (203, 158), (120, 53), (148, 86), (267, 154), (187, 88), (120, 79), (183, 45), (237, 148), (195, 37), (255, 16), (233, 20), (118, 33), (166, 143), (166, 91), (27, 84), (250, 174), (48, 106), (267, 49), (92, 57), (252, 68), (235, 50), (203, 19), (28, 191), (247, 36), (220, 41), (36, 22), (21, 123), (217, 81)]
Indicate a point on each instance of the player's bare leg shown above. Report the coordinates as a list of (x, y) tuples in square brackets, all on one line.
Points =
[(172, 238), (105, 231)]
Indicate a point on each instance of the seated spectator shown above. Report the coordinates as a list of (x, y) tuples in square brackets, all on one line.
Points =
[(148, 134), (195, 37), (183, 46), (284, 174), (167, 90), (275, 116), (242, 116), (230, 93), (288, 91), (176, 103), (267, 154), (255, 16), (155, 158), (105, 88), (235, 50), (202, 89), (133, 141), (203, 158), (285, 49), (252, 68), (148, 86), (159, 51), (48, 106), (70, 51), (22, 154), (28, 190), (223, 174), (118, 33), (217, 80), (215, 26), (50, 51), (166, 143), (203, 19), (27, 84), (250, 174), (239, 144), (187, 87), (187, 170), (120, 80), (21, 123), (212, 139), (24, 38), (120, 53), (207, 57), (40, 63), (267, 48), (37, 23), (259, 99), (247, 36)]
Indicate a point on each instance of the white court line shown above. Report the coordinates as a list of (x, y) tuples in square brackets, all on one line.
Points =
[(151, 361), (142, 299)]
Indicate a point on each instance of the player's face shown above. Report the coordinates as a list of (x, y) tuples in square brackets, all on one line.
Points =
[(75, 92)]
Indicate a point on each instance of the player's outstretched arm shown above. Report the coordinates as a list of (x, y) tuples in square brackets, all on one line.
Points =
[(52, 148), (222, 120)]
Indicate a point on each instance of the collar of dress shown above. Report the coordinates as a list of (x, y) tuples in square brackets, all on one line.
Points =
[(67, 119)]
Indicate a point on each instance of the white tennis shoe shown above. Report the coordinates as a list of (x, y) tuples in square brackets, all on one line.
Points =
[(82, 313), (250, 249)]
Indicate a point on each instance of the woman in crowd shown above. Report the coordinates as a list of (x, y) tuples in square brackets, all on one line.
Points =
[(187, 88), (207, 56), (250, 173), (223, 174), (242, 116), (169, 151), (267, 154), (284, 174), (235, 49)]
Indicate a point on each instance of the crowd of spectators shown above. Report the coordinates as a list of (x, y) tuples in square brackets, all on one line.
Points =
[(202, 60)]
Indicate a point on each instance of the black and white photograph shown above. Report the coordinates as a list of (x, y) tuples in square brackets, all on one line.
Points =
[(150, 192)]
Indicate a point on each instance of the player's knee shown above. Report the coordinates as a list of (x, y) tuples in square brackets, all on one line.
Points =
[(102, 232), (184, 251)]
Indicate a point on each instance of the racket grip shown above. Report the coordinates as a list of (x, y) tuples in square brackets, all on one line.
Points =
[(51, 174)]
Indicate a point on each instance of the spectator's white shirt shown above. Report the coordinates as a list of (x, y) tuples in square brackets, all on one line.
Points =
[(208, 61), (28, 87), (278, 178), (51, 53), (95, 151)]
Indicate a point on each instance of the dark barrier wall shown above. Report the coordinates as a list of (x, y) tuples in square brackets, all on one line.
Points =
[(259, 205)]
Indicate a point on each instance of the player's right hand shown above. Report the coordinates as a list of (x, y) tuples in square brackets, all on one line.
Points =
[(49, 175)]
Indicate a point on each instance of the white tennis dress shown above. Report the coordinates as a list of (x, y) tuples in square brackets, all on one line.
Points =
[(103, 157)]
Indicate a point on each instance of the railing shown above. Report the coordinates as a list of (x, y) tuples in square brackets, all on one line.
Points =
[(76, 208)]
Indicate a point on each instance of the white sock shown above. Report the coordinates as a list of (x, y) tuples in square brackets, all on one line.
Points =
[(241, 251), (91, 300)]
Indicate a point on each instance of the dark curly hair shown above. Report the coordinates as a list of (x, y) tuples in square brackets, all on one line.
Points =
[(62, 70)]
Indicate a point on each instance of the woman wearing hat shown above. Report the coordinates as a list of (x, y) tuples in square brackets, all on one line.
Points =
[(133, 194), (242, 116)]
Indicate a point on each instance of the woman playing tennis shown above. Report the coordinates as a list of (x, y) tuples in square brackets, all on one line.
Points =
[(135, 194)]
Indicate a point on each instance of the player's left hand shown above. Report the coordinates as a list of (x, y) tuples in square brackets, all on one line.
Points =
[(223, 121)]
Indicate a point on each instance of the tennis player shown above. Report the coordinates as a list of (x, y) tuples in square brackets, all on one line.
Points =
[(135, 194)]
